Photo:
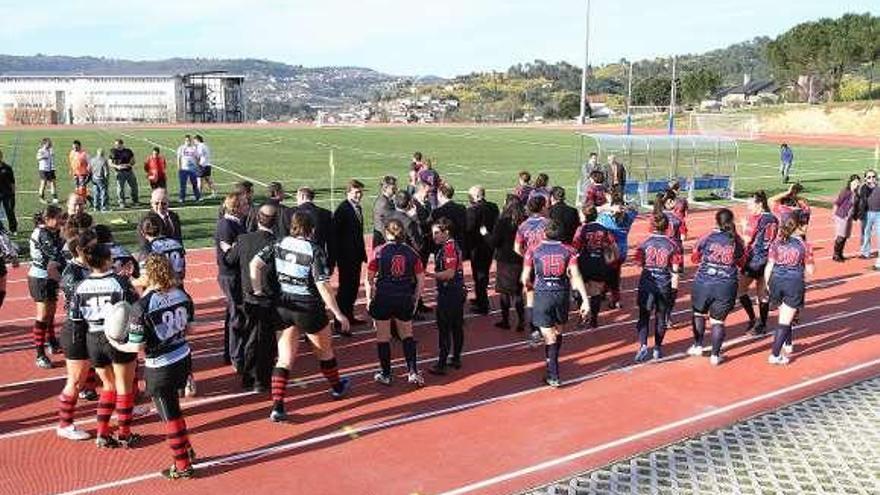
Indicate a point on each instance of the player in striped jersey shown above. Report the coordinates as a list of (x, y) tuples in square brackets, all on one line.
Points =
[(524, 187), (47, 263), (759, 231), (92, 301), (157, 243), (789, 262), (123, 262)]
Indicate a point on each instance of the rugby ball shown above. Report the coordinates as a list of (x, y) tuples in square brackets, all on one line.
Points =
[(116, 322)]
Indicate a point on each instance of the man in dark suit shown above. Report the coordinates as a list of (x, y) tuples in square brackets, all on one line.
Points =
[(229, 228), (170, 220), (566, 216), (284, 213), (383, 205), (350, 255), (422, 204), (258, 331), (480, 220), (405, 214), (322, 219), (456, 213)]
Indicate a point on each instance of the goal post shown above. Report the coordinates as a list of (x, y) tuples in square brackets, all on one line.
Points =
[(741, 126)]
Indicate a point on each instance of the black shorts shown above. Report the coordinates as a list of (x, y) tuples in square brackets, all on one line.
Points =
[(654, 298), (43, 289), (551, 309), (594, 270), (400, 308), (717, 300), (73, 340), (788, 292), (508, 277), (754, 271), (47, 175), (308, 318), (102, 354), (167, 380), (204, 171)]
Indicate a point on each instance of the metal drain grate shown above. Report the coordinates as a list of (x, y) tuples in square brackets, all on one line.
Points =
[(826, 445)]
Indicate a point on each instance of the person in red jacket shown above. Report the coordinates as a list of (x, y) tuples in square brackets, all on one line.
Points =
[(154, 166)]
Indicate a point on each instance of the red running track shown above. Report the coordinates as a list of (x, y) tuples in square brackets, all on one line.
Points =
[(489, 428)]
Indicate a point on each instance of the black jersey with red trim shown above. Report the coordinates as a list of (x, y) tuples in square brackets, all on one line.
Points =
[(171, 249), (95, 296), (159, 320), (448, 257), (396, 266)]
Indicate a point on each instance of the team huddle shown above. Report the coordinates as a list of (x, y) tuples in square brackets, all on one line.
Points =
[(276, 265)]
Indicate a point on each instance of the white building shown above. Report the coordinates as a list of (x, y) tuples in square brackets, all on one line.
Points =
[(105, 99)]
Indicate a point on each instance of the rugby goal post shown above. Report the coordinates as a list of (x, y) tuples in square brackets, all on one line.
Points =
[(741, 126)]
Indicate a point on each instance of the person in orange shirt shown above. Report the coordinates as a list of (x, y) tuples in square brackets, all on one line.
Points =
[(78, 159), (154, 166)]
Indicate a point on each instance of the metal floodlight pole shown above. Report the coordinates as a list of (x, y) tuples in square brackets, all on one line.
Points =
[(672, 100), (583, 117), (629, 94)]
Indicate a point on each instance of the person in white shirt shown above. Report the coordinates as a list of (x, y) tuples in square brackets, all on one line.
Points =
[(187, 168), (46, 167), (204, 170)]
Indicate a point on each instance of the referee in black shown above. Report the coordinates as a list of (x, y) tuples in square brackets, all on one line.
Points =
[(7, 194)]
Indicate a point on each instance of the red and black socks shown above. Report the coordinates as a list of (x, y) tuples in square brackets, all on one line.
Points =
[(331, 373), (39, 335), (106, 405), (66, 408), (178, 440), (279, 384), (124, 407)]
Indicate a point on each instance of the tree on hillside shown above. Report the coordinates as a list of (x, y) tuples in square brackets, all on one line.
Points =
[(651, 91), (697, 85)]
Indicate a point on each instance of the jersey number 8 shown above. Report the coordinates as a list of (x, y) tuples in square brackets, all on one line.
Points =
[(173, 322)]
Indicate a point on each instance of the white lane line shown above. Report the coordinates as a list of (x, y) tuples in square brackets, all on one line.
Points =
[(371, 427)]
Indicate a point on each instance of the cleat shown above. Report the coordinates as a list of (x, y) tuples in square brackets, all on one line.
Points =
[(106, 442), (173, 473), (71, 432), (642, 354), (715, 360), (342, 388), (416, 379), (437, 370), (382, 378), (130, 441), (141, 411), (89, 395), (552, 381), (695, 350), (43, 362), (190, 389), (278, 415), (788, 348), (657, 354), (780, 360), (759, 330)]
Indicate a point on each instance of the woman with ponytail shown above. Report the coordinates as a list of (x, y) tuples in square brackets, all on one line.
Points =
[(720, 255), (676, 230), (760, 230), (790, 202), (790, 262), (47, 263)]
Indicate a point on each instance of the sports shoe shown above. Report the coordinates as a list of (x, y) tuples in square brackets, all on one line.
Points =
[(695, 350), (53, 346), (341, 390), (552, 381), (89, 395), (759, 330), (191, 454), (781, 359), (106, 442), (130, 441), (658, 354), (382, 378), (43, 362), (437, 370), (190, 389), (715, 360), (141, 411), (278, 414), (535, 338), (173, 473), (416, 379), (71, 432), (788, 348), (642, 354)]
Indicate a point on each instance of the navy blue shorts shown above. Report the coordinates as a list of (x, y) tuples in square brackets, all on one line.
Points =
[(716, 299), (551, 308), (594, 270), (787, 291), (754, 270), (399, 308), (652, 298)]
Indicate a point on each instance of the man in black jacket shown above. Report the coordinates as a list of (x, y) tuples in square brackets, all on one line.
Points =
[(383, 205), (422, 204), (404, 213), (456, 213), (7, 194), (170, 220), (566, 216), (283, 214), (322, 219), (481, 217), (350, 255), (258, 331), (229, 228)]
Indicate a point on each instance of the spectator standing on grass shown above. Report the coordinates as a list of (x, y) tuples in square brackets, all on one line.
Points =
[(592, 165), (869, 210), (78, 161), (187, 166), (204, 170), (99, 169), (843, 213), (154, 167), (430, 177), (122, 161), (786, 159), (7, 194), (615, 177), (383, 205), (46, 168)]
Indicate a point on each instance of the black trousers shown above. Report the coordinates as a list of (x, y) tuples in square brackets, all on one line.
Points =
[(349, 285), (481, 262), (259, 348), (8, 204), (233, 320), (450, 326)]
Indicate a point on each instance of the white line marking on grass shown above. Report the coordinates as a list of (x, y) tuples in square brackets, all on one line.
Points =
[(382, 425)]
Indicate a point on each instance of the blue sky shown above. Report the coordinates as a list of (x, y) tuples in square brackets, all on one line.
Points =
[(445, 38)]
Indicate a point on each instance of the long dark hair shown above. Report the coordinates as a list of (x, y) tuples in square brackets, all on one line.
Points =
[(760, 197), (513, 210), (790, 226), (792, 199), (725, 221), (660, 223)]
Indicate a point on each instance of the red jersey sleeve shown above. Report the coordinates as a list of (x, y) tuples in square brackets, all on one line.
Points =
[(640, 255), (683, 230), (677, 257), (419, 268), (771, 253), (576, 242), (808, 253), (697, 254), (373, 264), (450, 257), (573, 256)]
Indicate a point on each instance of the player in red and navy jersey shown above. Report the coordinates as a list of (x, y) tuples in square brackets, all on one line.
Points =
[(554, 267), (597, 191), (659, 257), (524, 188), (677, 232), (451, 295), (681, 206), (720, 255), (541, 188), (395, 278), (790, 261), (759, 231), (790, 202), (597, 253), (92, 301), (157, 327), (529, 235)]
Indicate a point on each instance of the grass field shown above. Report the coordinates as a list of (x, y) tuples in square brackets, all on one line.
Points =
[(300, 156)]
